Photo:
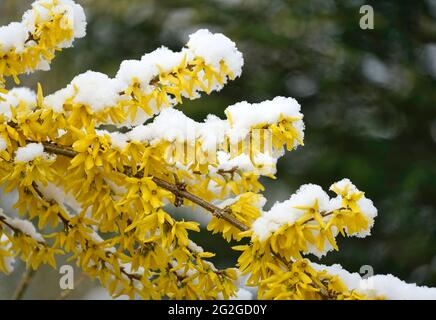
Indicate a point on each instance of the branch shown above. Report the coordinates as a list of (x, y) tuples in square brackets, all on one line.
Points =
[(216, 211), (51, 147), (174, 189), (24, 284), (4, 219)]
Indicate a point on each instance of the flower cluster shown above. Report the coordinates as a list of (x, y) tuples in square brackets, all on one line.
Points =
[(97, 164), (307, 223), (49, 26)]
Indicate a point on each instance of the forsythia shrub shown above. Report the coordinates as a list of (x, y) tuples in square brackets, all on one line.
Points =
[(96, 164)]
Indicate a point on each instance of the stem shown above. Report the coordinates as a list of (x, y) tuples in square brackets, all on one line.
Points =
[(26, 279), (51, 147), (216, 211), (174, 189), (4, 220)]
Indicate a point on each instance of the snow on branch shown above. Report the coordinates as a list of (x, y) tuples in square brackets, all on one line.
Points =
[(23, 226)]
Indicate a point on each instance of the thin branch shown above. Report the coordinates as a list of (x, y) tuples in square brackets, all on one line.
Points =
[(51, 147), (216, 211), (6, 221), (174, 189), (26, 279)]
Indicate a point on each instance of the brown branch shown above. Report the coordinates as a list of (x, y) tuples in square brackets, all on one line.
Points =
[(216, 211), (24, 284), (174, 189), (3, 219), (51, 147)]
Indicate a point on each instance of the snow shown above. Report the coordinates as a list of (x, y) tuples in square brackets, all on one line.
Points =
[(24, 226), (119, 140), (214, 48), (13, 36), (14, 97), (367, 207), (286, 212), (265, 164), (346, 188), (131, 70), (212, 132), (242, 162), (150, 65), (243, 115), (53, 192), (56, 100), (242, 294), (170, 125), (3, 144), (163, 58), (195, 247), (74, 13), (30, 152), (96, 90), (387, 286), (228, 202)]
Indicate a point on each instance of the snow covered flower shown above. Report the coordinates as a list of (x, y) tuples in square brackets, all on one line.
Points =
[(32, 164), (105, 192), (30, 44), (245, 208)]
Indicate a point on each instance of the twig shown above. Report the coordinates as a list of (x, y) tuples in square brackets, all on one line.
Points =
[(51, 147), (216, 211), (24, 284)]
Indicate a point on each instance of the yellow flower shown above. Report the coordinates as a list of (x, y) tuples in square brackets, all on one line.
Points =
[(246, 209), (146, 190)]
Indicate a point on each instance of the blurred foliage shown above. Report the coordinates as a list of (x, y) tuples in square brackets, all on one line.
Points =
[(369, 99)]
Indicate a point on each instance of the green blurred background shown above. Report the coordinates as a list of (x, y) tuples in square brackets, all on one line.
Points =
[(368, 96)]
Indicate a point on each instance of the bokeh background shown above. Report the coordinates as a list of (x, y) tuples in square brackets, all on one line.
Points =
[(368, 96)]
